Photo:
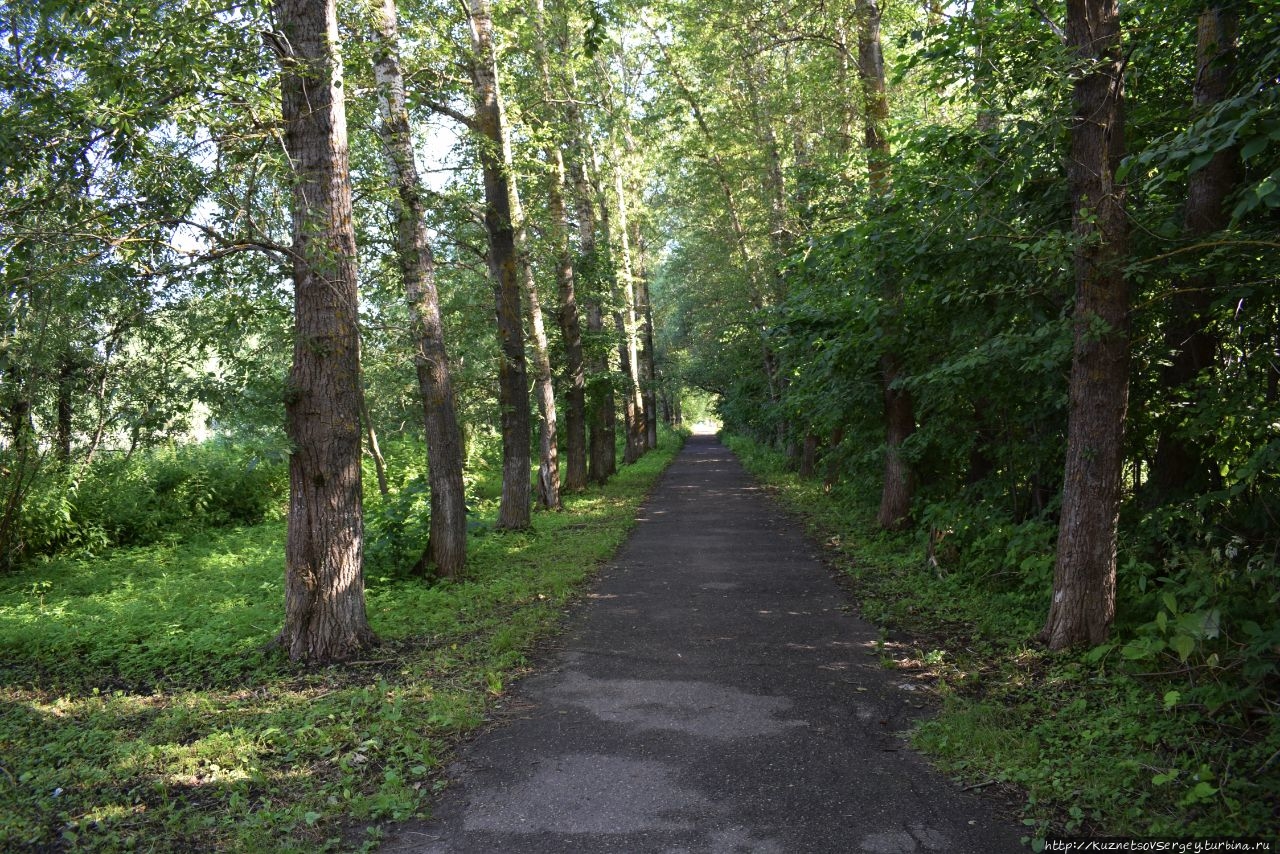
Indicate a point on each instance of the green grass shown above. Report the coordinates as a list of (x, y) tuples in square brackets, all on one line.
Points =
[(138, 711), (1099, 742)]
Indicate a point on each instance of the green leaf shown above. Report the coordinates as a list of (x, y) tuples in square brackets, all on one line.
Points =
[(1253, 147), (1099, 652), (1183, 645), (1136, 649), (1212, 624), (1200, 161), (1171, 699), (1201, 792), (1266, 188)]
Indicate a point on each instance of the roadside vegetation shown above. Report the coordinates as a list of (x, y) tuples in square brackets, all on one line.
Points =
[(141, 712), (1129, 738)]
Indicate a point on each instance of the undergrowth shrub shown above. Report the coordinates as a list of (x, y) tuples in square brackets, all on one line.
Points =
[(397, 525), (990, 549), (160, 494), (396, 529)]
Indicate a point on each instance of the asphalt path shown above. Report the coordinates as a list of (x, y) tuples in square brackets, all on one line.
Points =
[(714, 694)]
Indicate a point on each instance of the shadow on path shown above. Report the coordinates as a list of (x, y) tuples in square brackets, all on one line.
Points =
[(713, 696)]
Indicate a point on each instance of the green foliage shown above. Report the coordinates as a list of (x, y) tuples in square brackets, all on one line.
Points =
[(166, 493), (138, 710)]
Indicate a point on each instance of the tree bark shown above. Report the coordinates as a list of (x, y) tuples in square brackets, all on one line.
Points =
[(575, 470), (875, 100), (602, 458), (548, 491), (571, 334), (1084, 577), (513, 396), (649, 369), (549, 451), (900, 424), (832, 476), (69, 368), (1180, 466), (625, 320), (899, 411), (371, 442), (809, 455), (325, 616), (447, 537)]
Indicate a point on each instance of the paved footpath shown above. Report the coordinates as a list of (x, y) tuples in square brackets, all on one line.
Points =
[(714, 695)]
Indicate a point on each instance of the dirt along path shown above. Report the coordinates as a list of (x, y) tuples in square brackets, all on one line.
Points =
[(714, 695)]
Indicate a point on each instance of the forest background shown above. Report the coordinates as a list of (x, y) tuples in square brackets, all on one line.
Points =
[(932, 262)]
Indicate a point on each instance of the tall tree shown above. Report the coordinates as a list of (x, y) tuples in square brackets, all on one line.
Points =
[(559, 225), (447, 539), (601, 452), (1180, 462), (513, 395), (325, 616), (1084, 575), (624, 315), (544, 387), (648, 356), (624, 319), (899, 411)]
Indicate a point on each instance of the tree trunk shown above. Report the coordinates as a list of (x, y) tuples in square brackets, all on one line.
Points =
[(513, 395), (649, 372), (899, 481), (633, 267), (899, 411), (1180, 466), (324, 583), (809, 455), (18, 409), (875, 100), (624, 319), (549, 452), (371, 442), (68, 370), (1084, 577), (832, 476), (571, 334), (548, 444), (575, 474), (602, 462), (447, 537)]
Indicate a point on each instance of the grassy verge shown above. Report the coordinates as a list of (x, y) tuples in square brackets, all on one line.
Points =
[(1092, 742), (137, 711)]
